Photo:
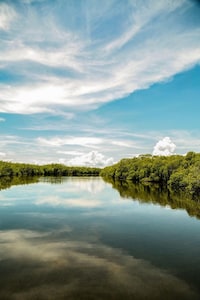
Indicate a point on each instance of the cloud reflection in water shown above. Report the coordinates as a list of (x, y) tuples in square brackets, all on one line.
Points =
[(42, 265)]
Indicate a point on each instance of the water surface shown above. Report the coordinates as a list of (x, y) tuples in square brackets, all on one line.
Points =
[(77, 238)]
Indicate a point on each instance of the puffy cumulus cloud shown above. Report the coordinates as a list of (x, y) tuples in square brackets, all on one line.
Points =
[(55, 268), (91, 159), (164, 147), (61, 62)]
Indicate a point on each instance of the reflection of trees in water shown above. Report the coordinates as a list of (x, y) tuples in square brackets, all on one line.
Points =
[(53, 179), (157, 194), (7, 182), (91, 184)]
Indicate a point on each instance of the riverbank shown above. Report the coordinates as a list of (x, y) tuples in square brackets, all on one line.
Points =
[(176, 172)]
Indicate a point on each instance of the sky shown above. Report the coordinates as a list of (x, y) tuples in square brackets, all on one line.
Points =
[(89, 82)]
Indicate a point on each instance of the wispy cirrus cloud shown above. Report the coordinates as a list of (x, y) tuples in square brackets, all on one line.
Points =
[(7, 15), (141, 17), (60, 65), (60, 59), (61, 141), (95, 151)]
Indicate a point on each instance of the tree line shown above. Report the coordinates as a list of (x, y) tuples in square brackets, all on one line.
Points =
[(176, 172), (9, 169), (156, 194)]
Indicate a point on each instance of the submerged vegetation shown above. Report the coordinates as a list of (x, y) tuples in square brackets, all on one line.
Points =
[(179, 173)]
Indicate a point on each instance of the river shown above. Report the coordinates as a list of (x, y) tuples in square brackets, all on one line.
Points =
[(84, 238)]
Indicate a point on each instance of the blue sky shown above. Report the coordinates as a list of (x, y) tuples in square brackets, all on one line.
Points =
[(89, 82)]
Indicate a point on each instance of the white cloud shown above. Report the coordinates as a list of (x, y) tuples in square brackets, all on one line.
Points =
[(123, 144), (74, 153), (164, 147), (92, 159), (140, 17), (2, 154), (7, 14), (66, 150), (80, 141), (82, 73), (64, 57)]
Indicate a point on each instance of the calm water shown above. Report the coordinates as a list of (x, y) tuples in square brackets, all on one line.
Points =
[(77, 238)]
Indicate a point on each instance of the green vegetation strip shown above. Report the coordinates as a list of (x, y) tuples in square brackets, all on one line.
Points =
[(9, 169), (175, 172)]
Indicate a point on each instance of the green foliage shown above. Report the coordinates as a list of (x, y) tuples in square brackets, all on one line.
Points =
[(176, 171), (157, 194), (7, 182), (9, 169)]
